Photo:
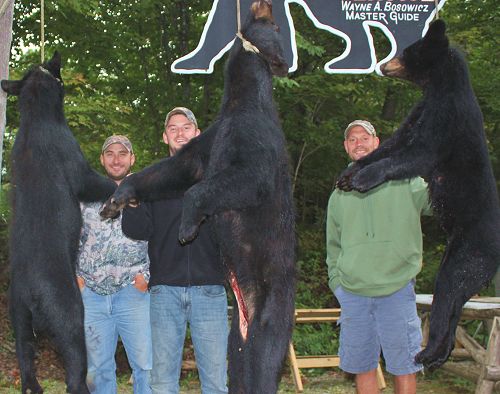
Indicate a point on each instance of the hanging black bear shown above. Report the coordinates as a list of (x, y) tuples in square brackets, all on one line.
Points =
[(49, 177), (236, 177), (443, 141)]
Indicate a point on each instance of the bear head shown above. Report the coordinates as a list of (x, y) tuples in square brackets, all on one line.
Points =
[(420, 60), (261, 31), (46, 73)]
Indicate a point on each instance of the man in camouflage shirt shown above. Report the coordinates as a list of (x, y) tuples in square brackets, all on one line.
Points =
[(113, 275)]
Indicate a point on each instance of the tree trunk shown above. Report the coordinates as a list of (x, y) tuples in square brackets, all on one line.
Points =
[(205, 111), (184, 40), (163, 26), (6, 14), (390, 104)]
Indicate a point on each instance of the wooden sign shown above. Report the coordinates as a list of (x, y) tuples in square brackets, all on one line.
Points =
[(402, 21)]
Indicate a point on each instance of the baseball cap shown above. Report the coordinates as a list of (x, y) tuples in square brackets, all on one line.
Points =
[(117, 139), (364, 124), (182, 111)]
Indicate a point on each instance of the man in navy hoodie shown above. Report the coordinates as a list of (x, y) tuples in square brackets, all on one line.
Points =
[(186, 282)]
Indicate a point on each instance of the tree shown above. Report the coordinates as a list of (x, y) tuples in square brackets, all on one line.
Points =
[(6, 13), (117, 71)]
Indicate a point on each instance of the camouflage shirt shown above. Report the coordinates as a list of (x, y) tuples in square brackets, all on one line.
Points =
[(107, 259)]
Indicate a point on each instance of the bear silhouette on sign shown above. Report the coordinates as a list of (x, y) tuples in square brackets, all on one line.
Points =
[(50, 176), (235, 178), (403, 22), (443, 141)]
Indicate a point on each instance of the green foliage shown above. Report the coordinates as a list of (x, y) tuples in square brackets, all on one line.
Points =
[(316, 339), (312, 286), (88, 114), (308, 46), (117, 56), (432, 258)]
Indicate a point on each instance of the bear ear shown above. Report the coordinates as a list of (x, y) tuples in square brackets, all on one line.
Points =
[(262, 9), (55, 63), (11, 87), (436, 35), (437, 28)]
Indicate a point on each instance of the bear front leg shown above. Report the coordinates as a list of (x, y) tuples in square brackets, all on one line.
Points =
[(387, 149), (396, 146), (192, 217), (370, 176), (169, 178), (95, 187), (230, 189), (406, 164)]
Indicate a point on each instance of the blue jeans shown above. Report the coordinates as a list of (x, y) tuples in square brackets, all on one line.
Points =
[(124, 313), (205, 308)]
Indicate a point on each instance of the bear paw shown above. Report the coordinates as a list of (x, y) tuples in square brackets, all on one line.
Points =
[(345, 179), (32, 386), (187, 233), (433, 357), (366, 179), (125, 194)]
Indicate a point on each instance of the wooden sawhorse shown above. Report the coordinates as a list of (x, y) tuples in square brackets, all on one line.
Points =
[(309, 316)]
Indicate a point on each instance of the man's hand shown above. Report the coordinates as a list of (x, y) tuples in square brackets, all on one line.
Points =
[(81, 282), (140, 283)]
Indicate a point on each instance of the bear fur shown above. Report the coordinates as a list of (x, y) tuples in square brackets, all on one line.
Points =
[(49, 177), (236, 174), (443, 141)]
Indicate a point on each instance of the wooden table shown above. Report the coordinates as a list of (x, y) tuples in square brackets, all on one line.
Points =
[(486, 367)]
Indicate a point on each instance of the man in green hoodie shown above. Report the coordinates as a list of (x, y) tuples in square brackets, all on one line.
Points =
[(374, 252)]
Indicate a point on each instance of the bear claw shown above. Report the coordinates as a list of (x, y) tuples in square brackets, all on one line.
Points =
[(187, 235)]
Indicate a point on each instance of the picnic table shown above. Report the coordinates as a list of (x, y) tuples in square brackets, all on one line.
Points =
[(485, 369)]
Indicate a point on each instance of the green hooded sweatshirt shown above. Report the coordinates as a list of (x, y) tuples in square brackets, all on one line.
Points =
[(374, 240)]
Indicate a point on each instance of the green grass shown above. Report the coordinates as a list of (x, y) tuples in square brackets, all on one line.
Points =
[(328, 382)]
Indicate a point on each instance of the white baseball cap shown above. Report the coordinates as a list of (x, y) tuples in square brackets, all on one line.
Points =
[(364, 124)]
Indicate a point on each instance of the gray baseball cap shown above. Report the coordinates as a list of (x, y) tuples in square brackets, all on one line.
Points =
[(364, 124), (117, 139), (182, 111)]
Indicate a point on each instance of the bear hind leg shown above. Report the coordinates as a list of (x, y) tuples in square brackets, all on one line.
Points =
[(68, 336), (255, 364), (463, 272), (25, 348)]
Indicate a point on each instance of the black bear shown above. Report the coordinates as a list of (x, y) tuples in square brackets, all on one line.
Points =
[(443, 141), (49, 176), (351, 20), (236, 174)]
